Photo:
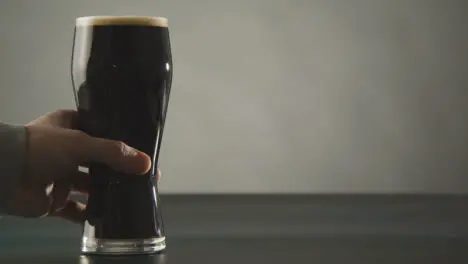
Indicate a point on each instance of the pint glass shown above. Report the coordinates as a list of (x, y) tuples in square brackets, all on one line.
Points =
[(122, 73)]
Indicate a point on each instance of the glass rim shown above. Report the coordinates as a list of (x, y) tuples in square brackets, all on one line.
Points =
[(155, 21)]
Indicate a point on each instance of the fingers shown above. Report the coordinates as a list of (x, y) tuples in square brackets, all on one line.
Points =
[(30, 201), (80, 181), (73, 211), (60, 192), (115, 154)]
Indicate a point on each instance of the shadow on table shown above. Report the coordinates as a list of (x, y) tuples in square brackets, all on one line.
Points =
[(59, 259)]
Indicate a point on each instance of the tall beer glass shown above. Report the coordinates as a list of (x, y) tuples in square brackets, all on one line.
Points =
[(122, 74)]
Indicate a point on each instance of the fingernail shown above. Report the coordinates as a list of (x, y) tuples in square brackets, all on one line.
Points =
[(133, 152)]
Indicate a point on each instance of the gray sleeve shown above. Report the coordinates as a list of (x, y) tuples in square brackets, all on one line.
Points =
[(13, 146)]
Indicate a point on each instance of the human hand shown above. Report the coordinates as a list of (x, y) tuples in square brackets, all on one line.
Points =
[(55, 151)]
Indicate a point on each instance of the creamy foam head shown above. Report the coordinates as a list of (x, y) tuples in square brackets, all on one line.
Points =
[(122, 20)]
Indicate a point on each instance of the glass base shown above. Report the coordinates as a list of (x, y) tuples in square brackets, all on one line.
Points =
[(122, 246)]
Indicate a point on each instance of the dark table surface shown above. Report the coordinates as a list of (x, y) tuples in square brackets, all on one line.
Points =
[(272, 229), (260, 250)]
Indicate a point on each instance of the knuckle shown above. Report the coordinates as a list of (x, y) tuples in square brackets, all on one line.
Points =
[(120, 147), (66, 118), (79, 135), (68, 111), (63, 112)]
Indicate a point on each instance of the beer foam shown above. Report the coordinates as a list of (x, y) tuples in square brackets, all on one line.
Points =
[(122, 20)]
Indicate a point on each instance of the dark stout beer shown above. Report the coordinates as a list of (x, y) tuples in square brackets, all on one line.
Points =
[(122, 74)]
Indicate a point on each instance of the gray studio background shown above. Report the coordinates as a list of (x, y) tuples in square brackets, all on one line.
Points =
[(278, 96)]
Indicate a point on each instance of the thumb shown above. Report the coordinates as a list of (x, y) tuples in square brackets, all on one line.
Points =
[(114, 154)]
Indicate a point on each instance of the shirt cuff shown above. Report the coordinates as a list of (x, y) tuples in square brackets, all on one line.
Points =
[(13, 147)]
